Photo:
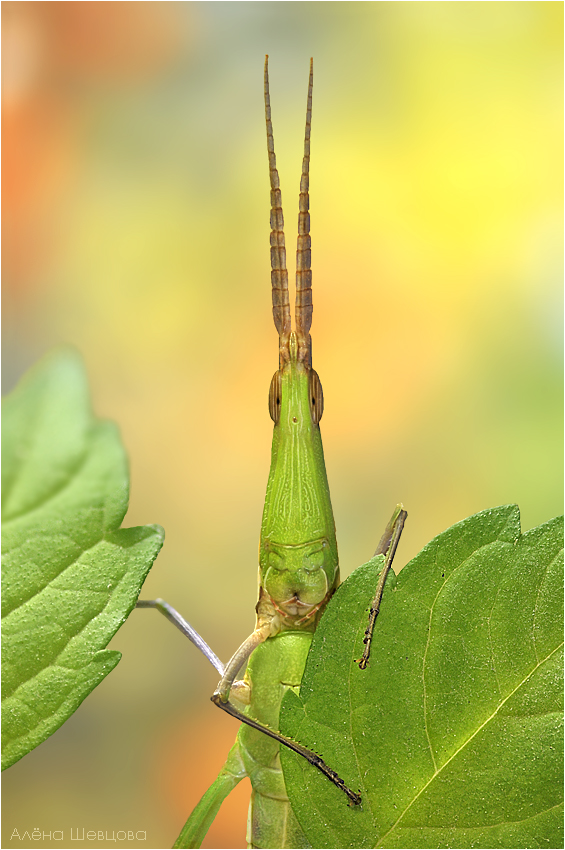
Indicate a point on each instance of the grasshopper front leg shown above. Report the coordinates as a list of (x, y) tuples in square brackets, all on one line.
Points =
[(280, 667), (268, 626), (387, 546)]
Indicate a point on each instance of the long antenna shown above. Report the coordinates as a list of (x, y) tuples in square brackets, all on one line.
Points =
[(303, 307), (279, 274)]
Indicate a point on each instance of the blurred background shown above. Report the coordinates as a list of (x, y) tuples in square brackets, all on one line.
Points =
[(136, 227)]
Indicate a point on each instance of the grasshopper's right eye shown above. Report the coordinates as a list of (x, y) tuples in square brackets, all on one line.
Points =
[(316, 397), (275, 391)]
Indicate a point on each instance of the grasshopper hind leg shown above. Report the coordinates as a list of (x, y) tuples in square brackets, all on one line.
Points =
[(202, 816)]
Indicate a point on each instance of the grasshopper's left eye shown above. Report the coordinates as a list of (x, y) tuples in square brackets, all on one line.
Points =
[(316, 397), (275, 391)]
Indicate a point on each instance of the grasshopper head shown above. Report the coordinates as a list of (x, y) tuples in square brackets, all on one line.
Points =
[(298, 550)]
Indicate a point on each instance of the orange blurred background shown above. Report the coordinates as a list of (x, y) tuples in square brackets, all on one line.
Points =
[(136, 227)]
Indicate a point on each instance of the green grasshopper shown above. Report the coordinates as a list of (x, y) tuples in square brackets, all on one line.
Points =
[(298, 560)]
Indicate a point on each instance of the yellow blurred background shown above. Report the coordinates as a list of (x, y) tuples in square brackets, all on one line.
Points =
[(136, 227)]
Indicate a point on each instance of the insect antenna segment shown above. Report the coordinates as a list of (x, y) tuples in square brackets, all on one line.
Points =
[(279, 273), (303, 306)]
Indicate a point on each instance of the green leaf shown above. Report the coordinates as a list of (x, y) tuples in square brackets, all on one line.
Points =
[(70, 575), (453, 733)]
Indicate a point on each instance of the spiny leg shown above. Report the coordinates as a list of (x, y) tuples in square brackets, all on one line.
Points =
[(228, 674), (387, 546), (312, 758), (267, 621)]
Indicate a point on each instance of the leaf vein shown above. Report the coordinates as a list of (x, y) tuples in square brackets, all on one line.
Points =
[(425, 826), (493, 663), (73, 472), (559, 554), (41, 589), (469, 739)]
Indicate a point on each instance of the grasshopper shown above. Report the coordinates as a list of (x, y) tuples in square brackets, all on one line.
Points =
[(298, 559)]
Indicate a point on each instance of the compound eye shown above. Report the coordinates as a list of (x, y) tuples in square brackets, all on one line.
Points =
[(316, 396), (275, 391)]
